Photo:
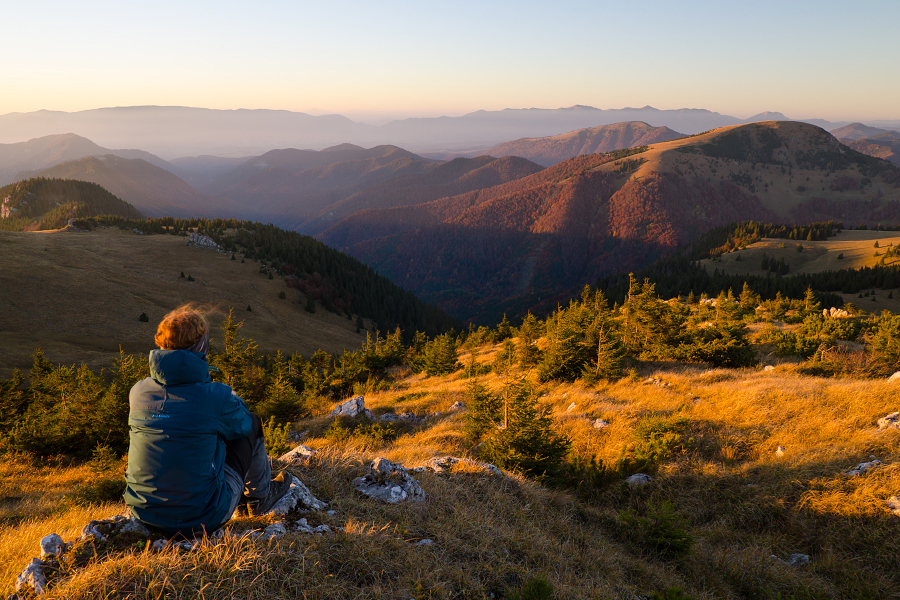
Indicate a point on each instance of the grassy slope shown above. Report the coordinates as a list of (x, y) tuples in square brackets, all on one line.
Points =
[(743, 503), (857, 248), (79, 295)]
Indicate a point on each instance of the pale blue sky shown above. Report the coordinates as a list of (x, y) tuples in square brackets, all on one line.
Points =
[(828, 59)]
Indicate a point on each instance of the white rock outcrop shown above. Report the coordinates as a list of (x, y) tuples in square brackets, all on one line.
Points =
[(638, 480), (352, 408), (298, 498), (863, 467), (389, 482), (298, 455), (891, 421)]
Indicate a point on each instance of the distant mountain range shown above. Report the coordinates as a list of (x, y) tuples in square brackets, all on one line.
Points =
[(548, 151), (882, 143), (152, 190), (522, 243), (171, 131)]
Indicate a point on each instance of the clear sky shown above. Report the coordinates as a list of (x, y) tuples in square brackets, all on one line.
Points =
[(838, 60)]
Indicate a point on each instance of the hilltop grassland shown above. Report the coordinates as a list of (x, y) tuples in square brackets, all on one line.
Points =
[(848, 249), (721, 483), (55, 284)]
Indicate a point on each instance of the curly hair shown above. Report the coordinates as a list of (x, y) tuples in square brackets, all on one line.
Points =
[(181, 328)]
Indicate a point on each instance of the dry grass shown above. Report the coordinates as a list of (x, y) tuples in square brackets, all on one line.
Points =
[(119, 275), (741, 501)]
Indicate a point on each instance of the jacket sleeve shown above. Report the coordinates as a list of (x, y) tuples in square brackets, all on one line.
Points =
[(234, 420)]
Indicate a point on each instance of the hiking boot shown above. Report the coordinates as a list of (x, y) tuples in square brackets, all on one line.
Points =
[(278, 489)]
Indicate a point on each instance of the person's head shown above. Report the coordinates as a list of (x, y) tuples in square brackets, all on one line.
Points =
[(185, 328)]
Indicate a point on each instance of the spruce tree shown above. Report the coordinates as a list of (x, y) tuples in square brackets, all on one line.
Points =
[(527, 350)]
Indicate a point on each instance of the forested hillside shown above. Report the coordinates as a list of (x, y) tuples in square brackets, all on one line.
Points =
[(506, 248), (39, 203)]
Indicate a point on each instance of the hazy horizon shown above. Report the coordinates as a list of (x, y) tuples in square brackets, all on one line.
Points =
[(376, 63)]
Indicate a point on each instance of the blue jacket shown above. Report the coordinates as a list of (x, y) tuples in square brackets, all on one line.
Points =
[(179, 420)]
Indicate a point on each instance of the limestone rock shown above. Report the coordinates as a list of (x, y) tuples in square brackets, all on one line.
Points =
[(638, 480), (571, 407), (894, 504), (779, 451), (298, 498), (863, 467), (425, 542), (304, 527), (389, 483), (33, 578), (457, 406), (203, 241), (104, 528), (273, 531), (445, 464), (768, 368), (52, 545), (352, 408), (891, 421), (601, 423), (298, 455)]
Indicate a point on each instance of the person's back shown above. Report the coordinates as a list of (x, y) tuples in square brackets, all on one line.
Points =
[(195, 450)]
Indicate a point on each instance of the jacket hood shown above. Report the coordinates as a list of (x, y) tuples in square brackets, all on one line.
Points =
[(178, 367)]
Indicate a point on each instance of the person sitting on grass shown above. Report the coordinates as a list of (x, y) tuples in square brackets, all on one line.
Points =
[(196, 453)]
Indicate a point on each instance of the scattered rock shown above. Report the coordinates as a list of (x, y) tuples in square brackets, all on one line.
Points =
[(571, 407), (331, 513), (794, 560), (424, 542), (835, 313), (298, 455), (894, 504), (445, 464), (32, 578), (406, 417), (100, 530), (352, 408), (779, 451), (203, 241), (891, 421), (768, 368), (894, 377), (389, 483), (457, 406), (159, 545), (52, 545), (863, 467), (638, 480), (273, 531), (298, 498), (601, 423)]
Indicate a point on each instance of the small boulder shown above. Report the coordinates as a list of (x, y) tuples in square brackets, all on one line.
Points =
[(298, 498), (638, 480), (298, 455), (274, 530), (425, 542), (352, 408), (797, 560), (768, 368), (389, 482), (863, 467), (457, 406), (52, 545), (32, 578), (571, 407), (601, 423), (779, 451), (891, 421), (895, 377), (894, 504)]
